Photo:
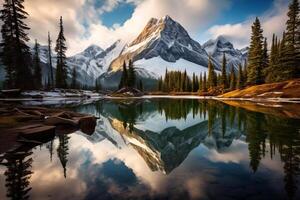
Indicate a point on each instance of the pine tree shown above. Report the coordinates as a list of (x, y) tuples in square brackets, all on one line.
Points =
[(265, 57), (194, 83), (281, 69), (61, 67), (74, 79), (160, 83), (98, 86), (124, 77), (240, 79), (16, 54), (232, 79), (212, 78), (201, 82), (291, 52), (37, 66), (255, 58), (204, 85), (131, 75), (224, 81), (6, 45), (51, 80), (245, 73), (141, 86), (63, 152), (271, 71)]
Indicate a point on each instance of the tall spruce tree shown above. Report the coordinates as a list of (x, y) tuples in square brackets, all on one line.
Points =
[(240, 78), (37, 66), (124, 77), (291, 52), (232, 79), (61, 67), (204, 85), (271, 71), (255, 57), (6, 46), (281, 70), (131, 75), (224, 81), (194, 87), (245, 72), (265, 57), (15, 55), (51, 78), (74, 79), (212, 77), (200, 82)]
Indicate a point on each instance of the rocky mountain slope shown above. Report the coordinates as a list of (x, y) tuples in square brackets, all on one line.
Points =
[(89, 64), (220, 46)]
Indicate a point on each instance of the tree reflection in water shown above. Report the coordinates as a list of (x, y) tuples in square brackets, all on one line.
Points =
[(266, 135)]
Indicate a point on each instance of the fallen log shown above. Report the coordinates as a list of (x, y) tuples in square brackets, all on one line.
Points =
[(36, 131)]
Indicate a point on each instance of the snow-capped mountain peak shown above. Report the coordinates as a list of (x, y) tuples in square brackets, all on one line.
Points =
[(220, 46), (92, 51), (164, 42)]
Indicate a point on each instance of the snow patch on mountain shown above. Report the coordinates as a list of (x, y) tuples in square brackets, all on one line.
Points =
[(158, 66)]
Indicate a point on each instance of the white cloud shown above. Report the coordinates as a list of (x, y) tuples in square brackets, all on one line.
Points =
[(273, 21), (84, 27)]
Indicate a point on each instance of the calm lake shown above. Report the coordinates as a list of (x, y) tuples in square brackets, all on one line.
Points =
[(162, 149)]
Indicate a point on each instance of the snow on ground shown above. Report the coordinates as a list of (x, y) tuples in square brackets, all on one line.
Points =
[(158, 66)]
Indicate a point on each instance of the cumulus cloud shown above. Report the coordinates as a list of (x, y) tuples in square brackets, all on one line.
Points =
[(83, 25), (273, 21)]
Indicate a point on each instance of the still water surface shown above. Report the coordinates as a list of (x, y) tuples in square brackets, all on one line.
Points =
[(162, 149)]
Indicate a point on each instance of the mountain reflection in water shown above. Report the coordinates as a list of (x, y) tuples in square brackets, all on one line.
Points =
[(161, 149)]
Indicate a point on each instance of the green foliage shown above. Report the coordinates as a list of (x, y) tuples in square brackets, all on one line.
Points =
[(176, 81), (256, 58), (204, 85), (124, 77), (290, 62), (63, 151), (15, 54), (273, 71), (131, 75), (232, 79), (61, 67), (98, 86), (224, 81), (140, 85), (128, 77), (212, 77), (74, 84), (240, 78)]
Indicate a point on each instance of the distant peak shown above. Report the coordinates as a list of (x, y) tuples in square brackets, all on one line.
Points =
[(222, 39), (166, 19)]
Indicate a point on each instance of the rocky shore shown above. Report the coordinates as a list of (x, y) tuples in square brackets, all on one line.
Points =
[(36, 125)]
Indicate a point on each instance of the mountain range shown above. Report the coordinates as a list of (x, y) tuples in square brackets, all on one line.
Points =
[(163, 44)]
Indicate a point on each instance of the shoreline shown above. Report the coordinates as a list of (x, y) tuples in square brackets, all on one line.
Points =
[(253, 99)]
